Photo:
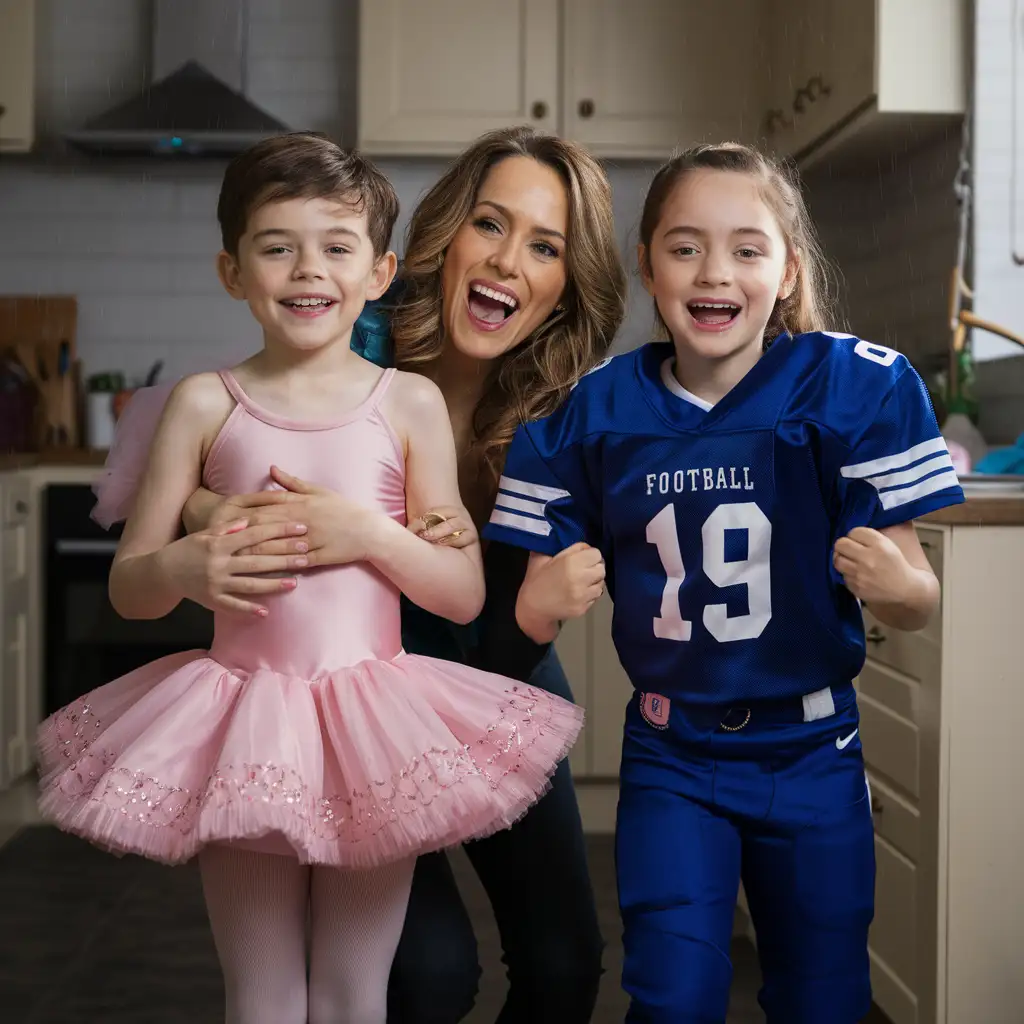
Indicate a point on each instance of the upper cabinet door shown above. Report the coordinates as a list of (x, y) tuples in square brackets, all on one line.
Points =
[(17, 75), (433, 76), (642, 78)]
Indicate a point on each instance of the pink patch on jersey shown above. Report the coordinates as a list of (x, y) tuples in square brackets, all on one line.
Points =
[(655, 709)]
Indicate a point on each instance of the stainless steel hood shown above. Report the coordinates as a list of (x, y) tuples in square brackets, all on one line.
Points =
[(196, 105)]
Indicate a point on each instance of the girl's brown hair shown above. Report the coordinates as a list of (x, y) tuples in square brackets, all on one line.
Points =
[(809, 306), (532, 379)]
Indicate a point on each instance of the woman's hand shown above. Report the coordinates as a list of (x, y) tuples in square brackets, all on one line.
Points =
[(447, 524), (205, 509), (336, 531), (209, 567), (559, 588)]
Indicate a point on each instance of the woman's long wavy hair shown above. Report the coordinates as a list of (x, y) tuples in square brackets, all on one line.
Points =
[(532, 379)]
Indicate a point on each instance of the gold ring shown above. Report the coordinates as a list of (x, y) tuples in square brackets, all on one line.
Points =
[(431, 519)]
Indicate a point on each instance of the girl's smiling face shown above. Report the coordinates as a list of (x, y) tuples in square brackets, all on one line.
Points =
[(716, 265)]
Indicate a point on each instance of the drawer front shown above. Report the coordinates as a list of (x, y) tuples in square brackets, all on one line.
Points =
[(893, 691), (893, 936), (891, 744), (917, 655), (895, 818)]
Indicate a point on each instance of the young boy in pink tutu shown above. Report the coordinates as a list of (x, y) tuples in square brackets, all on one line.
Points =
[(305, 758)]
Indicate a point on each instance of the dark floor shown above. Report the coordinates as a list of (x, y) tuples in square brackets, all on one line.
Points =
[(91, 939)]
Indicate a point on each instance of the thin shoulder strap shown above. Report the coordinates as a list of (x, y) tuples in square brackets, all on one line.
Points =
[(380, 388), (234, 388)]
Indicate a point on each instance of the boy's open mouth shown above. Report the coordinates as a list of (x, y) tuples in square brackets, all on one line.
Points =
[(713, 314), (490, 307), (308, 305)]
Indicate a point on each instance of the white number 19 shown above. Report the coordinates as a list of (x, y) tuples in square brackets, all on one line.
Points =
[(754, 571)]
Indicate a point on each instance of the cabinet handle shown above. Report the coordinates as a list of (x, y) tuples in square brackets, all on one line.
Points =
[(875, 636), (21, 507), (876, 806), (776, 119), (927, 544), (586, 108), (818, 87), (539, 110)]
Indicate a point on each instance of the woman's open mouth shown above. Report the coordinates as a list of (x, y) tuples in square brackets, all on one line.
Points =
[(710, 315), (490, 307)]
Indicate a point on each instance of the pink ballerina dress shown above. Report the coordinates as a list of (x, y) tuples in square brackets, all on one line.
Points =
[(308, 732)]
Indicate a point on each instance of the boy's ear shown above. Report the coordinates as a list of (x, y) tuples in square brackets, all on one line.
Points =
[(230, 275), (382, 275)]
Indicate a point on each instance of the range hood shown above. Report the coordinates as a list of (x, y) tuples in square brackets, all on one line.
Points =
[(196, 105)]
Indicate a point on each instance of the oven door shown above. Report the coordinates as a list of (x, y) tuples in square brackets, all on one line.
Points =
[(85, 642)]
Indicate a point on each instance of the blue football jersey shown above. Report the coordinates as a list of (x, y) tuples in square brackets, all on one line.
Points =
[(717, 523)]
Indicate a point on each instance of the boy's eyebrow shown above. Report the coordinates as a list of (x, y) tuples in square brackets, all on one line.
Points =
[(336, 230), (537, 228)]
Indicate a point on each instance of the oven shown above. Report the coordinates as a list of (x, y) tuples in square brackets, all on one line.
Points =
[(85, 642)]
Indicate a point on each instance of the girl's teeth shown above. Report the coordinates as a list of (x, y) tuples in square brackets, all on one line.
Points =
[(309, 302)]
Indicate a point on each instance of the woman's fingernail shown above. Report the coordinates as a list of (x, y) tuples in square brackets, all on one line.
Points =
[(299, 528), (261, 613), (302, 561), (302, 546), (289, 584)]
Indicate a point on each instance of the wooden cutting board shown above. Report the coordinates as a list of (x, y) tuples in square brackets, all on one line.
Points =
[(40, 330)]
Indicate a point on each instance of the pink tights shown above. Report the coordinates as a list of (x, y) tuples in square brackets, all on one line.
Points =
[(258, 905)]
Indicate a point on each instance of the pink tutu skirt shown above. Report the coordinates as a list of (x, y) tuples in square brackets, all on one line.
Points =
[(361, 766)]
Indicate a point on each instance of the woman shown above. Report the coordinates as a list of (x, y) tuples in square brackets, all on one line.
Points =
[(512, 287)]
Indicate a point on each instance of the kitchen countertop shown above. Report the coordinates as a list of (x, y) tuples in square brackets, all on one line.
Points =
[(980, 510), (977, 510), (63, 458)]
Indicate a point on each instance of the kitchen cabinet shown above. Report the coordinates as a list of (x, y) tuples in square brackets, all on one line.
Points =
[(941, 714), (17, 75), (638, 76), (840, 72), (626, 78), (17, 726)]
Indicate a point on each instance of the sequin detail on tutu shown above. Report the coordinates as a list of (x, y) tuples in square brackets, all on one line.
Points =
[(442, 796)]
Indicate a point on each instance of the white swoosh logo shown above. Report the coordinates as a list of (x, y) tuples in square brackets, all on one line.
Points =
[(842, 743)]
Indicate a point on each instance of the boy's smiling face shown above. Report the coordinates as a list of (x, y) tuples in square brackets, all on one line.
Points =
[(306, 267)]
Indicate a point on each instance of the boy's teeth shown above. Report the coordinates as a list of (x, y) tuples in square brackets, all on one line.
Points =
[(493, 293)]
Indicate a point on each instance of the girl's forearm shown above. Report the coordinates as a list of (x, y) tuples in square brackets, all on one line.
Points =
[(445, 581), (913, 612), (140, 589)]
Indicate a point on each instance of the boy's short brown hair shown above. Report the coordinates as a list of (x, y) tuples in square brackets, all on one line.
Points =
[(304, 165)]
